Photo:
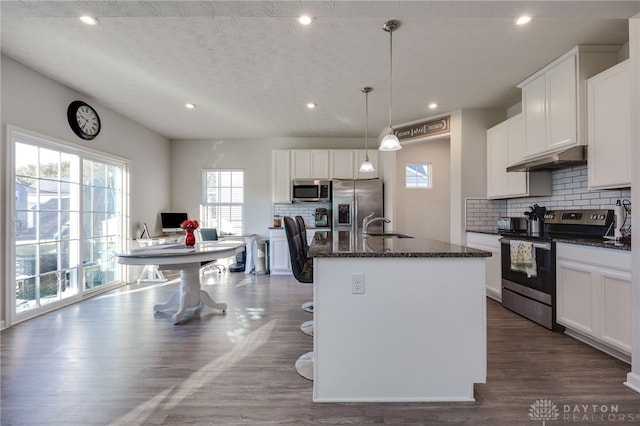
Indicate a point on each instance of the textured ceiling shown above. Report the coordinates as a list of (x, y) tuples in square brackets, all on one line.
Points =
[(250, 67)]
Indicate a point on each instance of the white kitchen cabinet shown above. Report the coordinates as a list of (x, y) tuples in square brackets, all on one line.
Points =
[(281, 176), (493, 272), (279, 258), (345, 164), (609, 128), (310, 164), (505, 145), (554, 99), (359, 158), (342, 161), (594, 296)]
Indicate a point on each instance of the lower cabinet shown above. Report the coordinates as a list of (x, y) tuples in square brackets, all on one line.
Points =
[(493, 271), (279, 259), (594, 296)]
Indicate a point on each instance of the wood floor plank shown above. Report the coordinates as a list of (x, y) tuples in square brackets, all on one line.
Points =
[(112, 361)]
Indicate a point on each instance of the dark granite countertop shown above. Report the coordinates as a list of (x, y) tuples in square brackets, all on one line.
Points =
[(350, 244), (591, 242)]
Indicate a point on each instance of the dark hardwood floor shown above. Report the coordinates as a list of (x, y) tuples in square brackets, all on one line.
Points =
[(112, 361)]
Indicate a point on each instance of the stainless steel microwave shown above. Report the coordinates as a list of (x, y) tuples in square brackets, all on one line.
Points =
[(311, 190)]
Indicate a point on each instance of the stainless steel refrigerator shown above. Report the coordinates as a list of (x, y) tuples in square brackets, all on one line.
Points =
[(353, 200)]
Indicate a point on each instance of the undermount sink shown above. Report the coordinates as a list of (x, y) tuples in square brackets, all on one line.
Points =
[(389, 235)]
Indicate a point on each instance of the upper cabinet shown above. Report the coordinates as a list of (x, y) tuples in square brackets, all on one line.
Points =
[(290, 164), (554, 99), (309, 164), (345, 163), (505, 146), (609, 128), (281, 176)]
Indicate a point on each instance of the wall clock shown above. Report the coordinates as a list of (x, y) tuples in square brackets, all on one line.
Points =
[(83, 119)]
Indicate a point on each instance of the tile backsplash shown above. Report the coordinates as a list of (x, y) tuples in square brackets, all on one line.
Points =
[(569, 191), (306, 210)]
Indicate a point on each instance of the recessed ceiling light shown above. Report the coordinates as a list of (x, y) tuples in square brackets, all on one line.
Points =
[(89, 20), (433, 105), (524, 19), (311, 105), (305, 20), (189, 106)]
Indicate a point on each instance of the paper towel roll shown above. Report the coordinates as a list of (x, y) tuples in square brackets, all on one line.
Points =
[(619, 217)]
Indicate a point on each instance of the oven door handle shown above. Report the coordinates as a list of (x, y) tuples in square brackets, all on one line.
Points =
[(543, 246)]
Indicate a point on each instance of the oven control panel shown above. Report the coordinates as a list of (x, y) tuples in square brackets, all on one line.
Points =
[(596, 217)]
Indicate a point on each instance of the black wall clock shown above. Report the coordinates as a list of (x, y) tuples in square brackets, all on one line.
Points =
[(83, 119)]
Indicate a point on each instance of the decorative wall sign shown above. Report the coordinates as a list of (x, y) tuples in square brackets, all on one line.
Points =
[(423, 129)]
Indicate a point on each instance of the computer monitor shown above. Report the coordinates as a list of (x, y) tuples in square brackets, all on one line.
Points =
[(171, 221)]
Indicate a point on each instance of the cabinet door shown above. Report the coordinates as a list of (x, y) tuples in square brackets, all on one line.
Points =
[(608, 129), (280, 261), (300, 164), (280, 176), (319, 160), (493, 269), (360, 157), (615, 309), (497, 161), (534, 111), (342, 161), (576, 297), (516, 182), (561, 105)]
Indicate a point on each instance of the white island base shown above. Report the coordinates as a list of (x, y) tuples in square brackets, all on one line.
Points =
[(418, 333)]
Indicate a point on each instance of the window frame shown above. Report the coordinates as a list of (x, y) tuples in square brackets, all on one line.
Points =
[(16, 135), (205, 203), (428, 166)]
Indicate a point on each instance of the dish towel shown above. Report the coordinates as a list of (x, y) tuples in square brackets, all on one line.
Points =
[(523, 257)]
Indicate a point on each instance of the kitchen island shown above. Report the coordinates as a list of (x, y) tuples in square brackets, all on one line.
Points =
[(416, 331)]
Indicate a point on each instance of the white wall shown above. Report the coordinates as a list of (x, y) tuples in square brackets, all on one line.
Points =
[(34, 102), (424, 213), (189, 157)]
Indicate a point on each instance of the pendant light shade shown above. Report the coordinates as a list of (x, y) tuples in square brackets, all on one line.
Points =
[(390, 142), (366, 166)]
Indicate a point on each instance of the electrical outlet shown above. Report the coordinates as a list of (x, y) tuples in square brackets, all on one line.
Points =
[(357, 283)]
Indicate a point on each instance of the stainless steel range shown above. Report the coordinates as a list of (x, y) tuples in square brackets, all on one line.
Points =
[(529, 261)]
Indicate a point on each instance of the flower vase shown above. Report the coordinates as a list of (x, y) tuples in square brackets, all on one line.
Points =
[(190, 238)]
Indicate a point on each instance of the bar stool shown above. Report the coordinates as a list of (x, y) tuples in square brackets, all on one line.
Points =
[(302, 269)]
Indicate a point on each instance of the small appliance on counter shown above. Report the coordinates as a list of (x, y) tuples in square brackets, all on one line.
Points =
[(321, 218), (512, 224)]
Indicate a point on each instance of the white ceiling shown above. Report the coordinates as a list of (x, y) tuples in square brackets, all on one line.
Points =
[(250, 67)]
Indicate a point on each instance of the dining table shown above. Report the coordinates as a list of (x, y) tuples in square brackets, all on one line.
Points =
[(188, 260)]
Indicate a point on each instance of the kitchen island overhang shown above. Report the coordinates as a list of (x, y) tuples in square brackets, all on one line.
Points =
[(417, 333)]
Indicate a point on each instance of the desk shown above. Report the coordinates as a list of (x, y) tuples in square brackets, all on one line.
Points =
[(151, 273), (188, 260)]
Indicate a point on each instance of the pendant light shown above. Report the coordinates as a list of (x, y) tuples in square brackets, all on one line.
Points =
[(366, 166), (390, 141)]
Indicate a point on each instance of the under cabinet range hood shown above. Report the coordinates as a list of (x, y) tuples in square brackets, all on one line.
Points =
[(574, 156)]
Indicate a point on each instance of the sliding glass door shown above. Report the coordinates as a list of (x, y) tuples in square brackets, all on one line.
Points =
[(68, 222)]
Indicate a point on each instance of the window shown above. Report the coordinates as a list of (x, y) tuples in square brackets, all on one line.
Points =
[(418, 176), (69, 221), (222, 201)]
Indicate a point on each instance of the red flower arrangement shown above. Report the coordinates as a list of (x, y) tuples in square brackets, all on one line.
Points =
[(189, 224)]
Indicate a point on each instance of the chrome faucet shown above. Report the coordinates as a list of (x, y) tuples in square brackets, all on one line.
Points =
[(367, 221)]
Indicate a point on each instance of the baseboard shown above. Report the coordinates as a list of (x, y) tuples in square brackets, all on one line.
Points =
[(599, 345), (633, 381)]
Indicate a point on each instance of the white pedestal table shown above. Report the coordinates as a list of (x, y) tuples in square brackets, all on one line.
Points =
[(188, 260)]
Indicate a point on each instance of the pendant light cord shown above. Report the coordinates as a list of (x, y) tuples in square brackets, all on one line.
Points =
[(366, 125), (390, 75)]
